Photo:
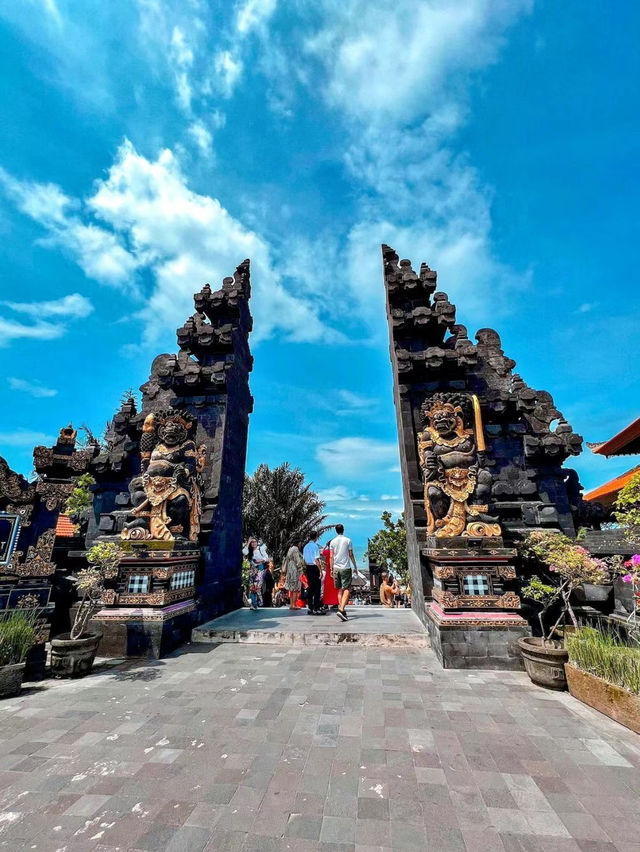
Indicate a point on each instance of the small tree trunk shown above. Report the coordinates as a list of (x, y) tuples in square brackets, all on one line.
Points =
[(567, 595)]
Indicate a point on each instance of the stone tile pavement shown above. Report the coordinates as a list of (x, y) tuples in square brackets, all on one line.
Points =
[(239, 747)]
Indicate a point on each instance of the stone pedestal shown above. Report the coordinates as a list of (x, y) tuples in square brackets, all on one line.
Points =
[(473, 621), (476, 640), (144, 631), (149, 605)]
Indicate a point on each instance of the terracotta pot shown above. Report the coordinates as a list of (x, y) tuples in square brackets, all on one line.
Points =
[(73, 657), (544, 663), (614, 701), (11, 679)]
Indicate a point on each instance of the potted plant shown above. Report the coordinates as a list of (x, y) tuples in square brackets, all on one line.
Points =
[(604, 673), (72, 654), (566, 566), (633, 578), (17, 637)]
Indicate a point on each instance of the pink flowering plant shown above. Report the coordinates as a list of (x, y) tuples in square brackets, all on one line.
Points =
[(566, 566), (632, 567)]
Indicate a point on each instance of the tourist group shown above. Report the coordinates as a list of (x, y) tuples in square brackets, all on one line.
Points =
[(310, 577)]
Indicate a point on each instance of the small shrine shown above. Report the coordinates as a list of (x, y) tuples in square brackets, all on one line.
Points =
[(29, 513), (481, 457)]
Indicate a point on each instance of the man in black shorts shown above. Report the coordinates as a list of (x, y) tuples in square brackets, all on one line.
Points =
[(341, 560)]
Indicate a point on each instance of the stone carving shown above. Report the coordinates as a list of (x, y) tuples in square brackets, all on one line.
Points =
[(54, 494), (14, 486), (166, 498), (25, 513), (37, 562), (457, 485), (509, 600)]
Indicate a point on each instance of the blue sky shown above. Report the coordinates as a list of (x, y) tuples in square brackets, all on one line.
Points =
[(147, 147)]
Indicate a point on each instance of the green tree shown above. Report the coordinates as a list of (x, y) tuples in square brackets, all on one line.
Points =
[(279, 506), (80, 497), (388, 547), (627, 512)]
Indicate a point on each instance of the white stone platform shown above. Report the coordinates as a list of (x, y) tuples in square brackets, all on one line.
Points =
[(369, 626)]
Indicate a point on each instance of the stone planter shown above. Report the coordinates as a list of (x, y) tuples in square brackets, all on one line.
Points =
[(589, 593), (544, 663), (614, 701), (11, 679), (73, 657)]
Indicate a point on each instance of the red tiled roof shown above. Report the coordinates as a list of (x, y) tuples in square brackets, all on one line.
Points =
[(626, 442), (65, 527), (607, 493)]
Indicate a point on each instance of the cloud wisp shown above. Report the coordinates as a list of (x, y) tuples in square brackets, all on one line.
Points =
[(34, 389), (356, 458), (73, 306)]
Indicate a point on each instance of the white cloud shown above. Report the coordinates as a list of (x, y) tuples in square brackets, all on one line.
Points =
[(355, 458), (252, 14), (181, 57), (24, 438), (336, 494), (403, 60), (12, 330), (183, 238), (354, 403), (99, 253), (31, 388), (228, 68), (51, 8), (202, 137), (342, 501), (73, 306), (399, 78)]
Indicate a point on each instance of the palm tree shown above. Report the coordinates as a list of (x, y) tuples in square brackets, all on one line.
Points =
[(278, 507)]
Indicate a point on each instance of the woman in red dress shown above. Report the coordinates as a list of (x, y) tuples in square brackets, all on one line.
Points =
[(330, 593)]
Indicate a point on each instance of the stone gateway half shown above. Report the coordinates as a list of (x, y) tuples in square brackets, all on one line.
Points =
[(481, 455)]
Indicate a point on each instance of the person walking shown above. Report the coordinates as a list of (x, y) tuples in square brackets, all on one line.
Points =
[(258, 562), (342, 559), (313, 567), (268, 582), (292, 569)]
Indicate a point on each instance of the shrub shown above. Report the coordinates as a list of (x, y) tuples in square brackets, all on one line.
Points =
[(103, 559), (567, 565), (603, 654), (17, 636)]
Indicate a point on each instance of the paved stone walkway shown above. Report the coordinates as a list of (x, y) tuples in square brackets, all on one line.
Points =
[(238, 747)]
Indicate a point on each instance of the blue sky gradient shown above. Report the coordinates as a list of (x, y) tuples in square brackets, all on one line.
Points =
[(147, 147)]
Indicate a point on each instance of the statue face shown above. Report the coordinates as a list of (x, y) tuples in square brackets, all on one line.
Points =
[(159, 484), (172, 433), (444, 422), (458, 477)]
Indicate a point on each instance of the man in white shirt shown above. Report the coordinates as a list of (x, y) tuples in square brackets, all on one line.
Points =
[(313, 567), (341, 559)]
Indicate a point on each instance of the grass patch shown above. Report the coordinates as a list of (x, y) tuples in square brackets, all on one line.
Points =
[(17, 636), (603, 654)]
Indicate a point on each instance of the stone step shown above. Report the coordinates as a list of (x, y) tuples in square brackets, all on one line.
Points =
[(370, 627)]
